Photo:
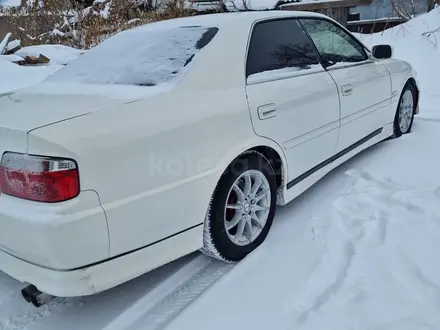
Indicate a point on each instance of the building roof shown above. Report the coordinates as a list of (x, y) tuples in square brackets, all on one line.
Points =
[(322, 4)]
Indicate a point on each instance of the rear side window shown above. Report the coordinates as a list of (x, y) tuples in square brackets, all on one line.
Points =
[(279, 45), (141, 57)]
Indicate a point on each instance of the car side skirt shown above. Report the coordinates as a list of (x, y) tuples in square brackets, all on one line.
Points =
[(286, 195), (333, 158)]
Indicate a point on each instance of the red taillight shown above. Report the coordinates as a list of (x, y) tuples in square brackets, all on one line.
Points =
[(37, 178)]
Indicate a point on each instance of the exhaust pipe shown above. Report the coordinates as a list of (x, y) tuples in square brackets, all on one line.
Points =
[(32, 295)]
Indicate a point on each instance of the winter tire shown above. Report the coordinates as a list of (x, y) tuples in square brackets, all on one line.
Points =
[(406, 108), (242, 208)]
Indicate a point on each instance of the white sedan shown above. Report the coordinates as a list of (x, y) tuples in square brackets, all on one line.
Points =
[(180, 136)]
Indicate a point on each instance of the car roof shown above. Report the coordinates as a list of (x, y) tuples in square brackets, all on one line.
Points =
[(236, 19), (227, 18)]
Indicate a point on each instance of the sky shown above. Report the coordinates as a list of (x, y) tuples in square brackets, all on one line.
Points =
[(10, 2)]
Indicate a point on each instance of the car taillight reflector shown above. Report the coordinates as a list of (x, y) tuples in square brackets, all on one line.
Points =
[(37, 178)]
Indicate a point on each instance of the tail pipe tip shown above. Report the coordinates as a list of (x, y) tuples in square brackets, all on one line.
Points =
[(32, 295)]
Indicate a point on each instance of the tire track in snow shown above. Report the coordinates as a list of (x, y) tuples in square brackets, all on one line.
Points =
[(403, 199), (155, 310), (157, 306), (353, 220), (182, 297), (334, 263), (360, 221)]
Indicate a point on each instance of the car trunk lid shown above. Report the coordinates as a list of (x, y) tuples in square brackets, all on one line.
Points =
[(46, 104)]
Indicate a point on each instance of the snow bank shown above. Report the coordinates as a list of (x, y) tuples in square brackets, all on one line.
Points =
[(13, 76), (58, 54), (422, 51), (11, 58)]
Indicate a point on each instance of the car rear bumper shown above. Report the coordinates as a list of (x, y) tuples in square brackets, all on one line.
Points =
[(105, 274), (58, 236)]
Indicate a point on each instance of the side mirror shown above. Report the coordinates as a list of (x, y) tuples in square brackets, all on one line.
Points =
[(382, 51)]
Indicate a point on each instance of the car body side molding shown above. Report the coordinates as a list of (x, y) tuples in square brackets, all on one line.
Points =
[(333, 158)]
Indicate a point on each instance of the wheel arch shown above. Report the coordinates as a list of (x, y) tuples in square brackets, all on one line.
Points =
[(269, 149), (275, 161), (412, 80)]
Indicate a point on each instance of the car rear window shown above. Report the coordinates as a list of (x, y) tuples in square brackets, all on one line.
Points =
[(141, 57)]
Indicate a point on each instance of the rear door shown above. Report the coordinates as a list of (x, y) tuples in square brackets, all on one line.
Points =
[(292, 99), (364, 84)]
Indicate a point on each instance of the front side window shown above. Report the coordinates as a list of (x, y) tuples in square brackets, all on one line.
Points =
[(279, 45), (140, 57), (333, 44)]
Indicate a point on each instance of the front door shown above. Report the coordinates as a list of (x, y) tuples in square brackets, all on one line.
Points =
[(364, 84)]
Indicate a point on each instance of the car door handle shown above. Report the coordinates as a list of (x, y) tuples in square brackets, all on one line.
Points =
[(347, 90), (267, 111)]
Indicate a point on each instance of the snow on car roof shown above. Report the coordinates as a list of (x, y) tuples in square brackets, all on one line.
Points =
[(226, 18), (154, 57)]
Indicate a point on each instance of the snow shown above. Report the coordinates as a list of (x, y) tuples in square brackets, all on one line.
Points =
[(58, 54), (153, 57), (11, 58), (118, 92), (282, 73), (4, 42), (421, 51), (355, 252), (12, 45), (105, 13), (13, 76)]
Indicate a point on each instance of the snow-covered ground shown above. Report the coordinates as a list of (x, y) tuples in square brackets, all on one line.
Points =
[(13, 76), (355, 252), (58, 54)]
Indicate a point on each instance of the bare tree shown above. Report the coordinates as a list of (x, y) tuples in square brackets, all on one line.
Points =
[(432, 4), (77, 23), (403, 9), (294, 55), (408, 9), (239, 5), (431, 35)]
